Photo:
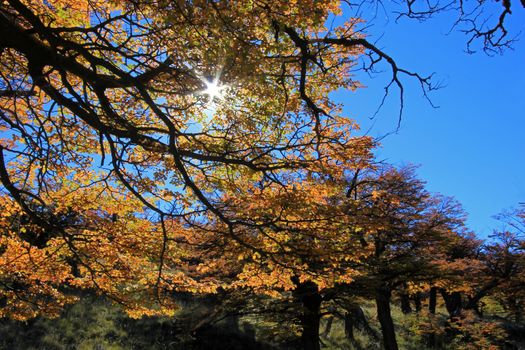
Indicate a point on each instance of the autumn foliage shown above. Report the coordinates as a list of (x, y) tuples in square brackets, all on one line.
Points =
[(156, 148)]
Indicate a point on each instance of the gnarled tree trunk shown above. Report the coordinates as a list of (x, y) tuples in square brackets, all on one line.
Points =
[(453, 302), (473, 302), (355, 318), (383, 295)]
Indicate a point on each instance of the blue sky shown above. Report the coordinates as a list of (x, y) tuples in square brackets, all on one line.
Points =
[(473, 146)]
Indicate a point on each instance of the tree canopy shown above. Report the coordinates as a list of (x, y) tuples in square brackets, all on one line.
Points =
[(152, 149)]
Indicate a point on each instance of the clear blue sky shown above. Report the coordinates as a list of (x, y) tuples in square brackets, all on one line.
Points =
[(473, 146)]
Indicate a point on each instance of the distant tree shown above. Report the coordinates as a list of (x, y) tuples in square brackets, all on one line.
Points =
[(504, 261), (407, 229)]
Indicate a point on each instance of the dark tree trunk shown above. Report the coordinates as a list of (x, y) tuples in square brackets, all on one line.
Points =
[(231, 323), (417, 302), (405, 303), (453, 302), (328, 326), (383, 296), (432, 300), (349, 326), (308, 294), (356, 318), (473, 302)]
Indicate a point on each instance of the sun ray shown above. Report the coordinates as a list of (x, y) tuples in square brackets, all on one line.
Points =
[(214, 90)]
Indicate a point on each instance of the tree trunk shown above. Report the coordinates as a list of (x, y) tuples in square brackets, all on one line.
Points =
[(473, 302), (349, 325), (355, 318), (453, 302), (383, 295), (405, 304), (417, 301), (432, 299), (308, 294), (328, 326)]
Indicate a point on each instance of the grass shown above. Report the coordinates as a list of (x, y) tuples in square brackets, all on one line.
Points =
[(94, 324)]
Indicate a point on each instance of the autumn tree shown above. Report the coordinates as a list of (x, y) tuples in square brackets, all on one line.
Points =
[(151, 148), (308, 245), (172, 100), (501, 267), (475, 269), (86, 247), (407, 229), (356, 232), (504, 272), (153, 118), (511, 291)]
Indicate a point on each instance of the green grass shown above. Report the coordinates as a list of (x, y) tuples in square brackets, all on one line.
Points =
[(407, 334), (96, 324)]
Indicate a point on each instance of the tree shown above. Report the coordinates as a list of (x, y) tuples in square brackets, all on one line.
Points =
[(156, 148), (504, 270), (135, 87), (103, 247), (306, 239), (502, 267), (477, 269), (365, 232), (407, 230), (170, 105)]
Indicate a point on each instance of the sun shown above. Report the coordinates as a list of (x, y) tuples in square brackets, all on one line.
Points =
[(214, 90)]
